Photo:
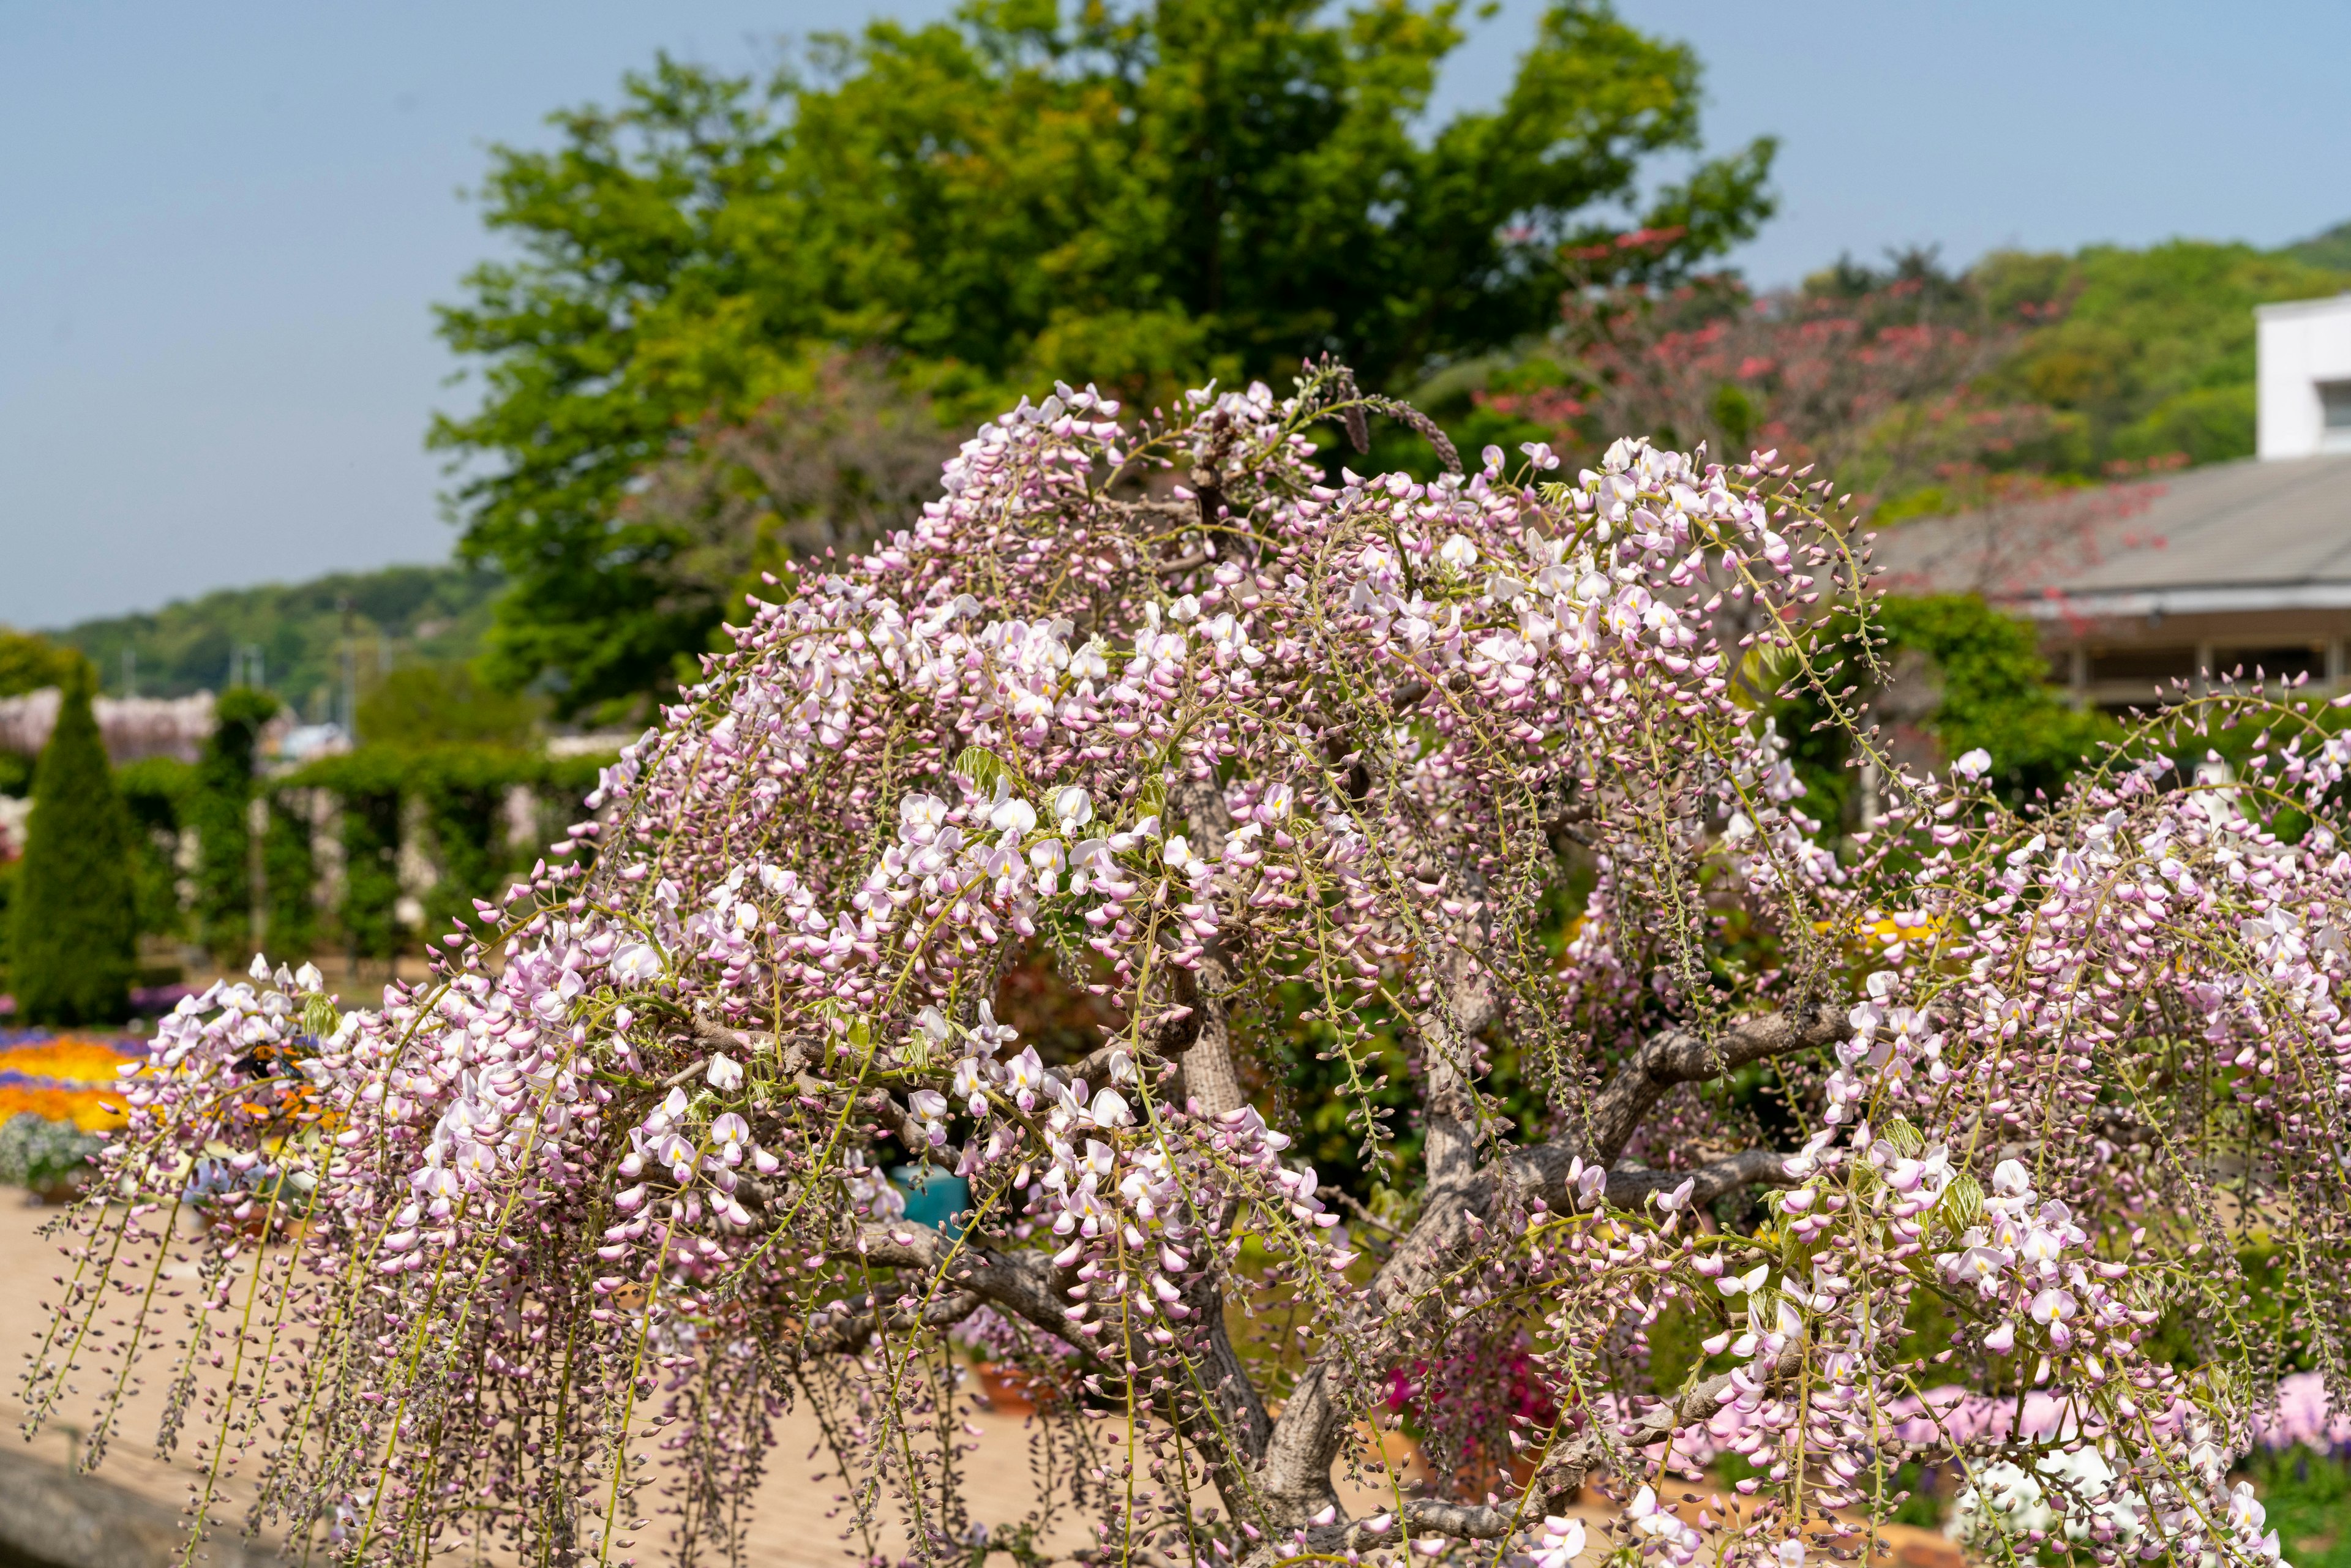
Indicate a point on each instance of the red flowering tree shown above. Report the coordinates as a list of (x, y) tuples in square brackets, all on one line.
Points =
[(1873, 377), (609, 1186)]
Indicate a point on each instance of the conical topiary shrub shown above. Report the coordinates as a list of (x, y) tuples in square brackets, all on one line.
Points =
[(77, 900)]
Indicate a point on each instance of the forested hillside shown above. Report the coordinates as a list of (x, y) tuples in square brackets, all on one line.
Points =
[(2330, 249), (303, 632), (2149, 352)]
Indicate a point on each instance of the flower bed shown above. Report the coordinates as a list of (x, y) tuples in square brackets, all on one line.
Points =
[(69, 1078)]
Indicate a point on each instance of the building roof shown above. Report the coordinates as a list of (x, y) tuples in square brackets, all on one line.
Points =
[(2251, 535)]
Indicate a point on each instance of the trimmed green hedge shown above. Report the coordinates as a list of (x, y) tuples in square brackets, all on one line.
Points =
[(219, 810), (455, 797), (158, 792), (454, 800)]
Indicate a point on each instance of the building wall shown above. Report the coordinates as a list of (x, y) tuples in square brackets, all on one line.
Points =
[(2131, 661), (2301, 345)]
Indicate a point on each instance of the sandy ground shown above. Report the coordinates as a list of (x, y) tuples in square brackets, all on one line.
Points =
[(796, 1516)]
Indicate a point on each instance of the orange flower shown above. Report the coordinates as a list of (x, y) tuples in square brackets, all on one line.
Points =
[(67, 1078)]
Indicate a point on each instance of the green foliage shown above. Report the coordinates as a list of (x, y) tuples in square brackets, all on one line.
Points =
[(42, 1154), (2308, 1500), (218, 812), (30, 662), (289, 874), (2151, 351), (1993, 691), (461, 795), (2330, 249), (157, 791), (1140, 197), (75, 904), (464, 795), (16, 774), (1996, 693), (1322, 1099), (428, 704), (829, 462), (435, 613), (367, 784)]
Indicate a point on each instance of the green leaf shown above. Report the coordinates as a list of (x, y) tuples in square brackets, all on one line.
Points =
[(981, 765)]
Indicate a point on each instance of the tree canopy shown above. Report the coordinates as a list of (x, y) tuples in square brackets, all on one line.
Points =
[(1918, 388), (1936, 1144), (420, 704), (30, 662), (1138, 197)]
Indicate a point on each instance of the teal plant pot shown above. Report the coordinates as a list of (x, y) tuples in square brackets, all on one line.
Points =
[(933, 1196)]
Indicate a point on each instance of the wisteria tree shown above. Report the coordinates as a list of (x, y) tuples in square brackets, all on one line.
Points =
[(1945, 1141)]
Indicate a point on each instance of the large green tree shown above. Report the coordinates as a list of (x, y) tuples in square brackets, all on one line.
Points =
[(1137, 197), (76, 905)]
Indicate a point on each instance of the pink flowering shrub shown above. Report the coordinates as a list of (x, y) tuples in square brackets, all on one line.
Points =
[(580, 1216)]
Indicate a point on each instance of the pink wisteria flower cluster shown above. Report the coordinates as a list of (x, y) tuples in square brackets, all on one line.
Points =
[(537, 1253)]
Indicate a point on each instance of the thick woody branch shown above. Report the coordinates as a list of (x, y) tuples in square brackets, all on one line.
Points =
[(1588, 1450), (1684, 1056), (793, 1053), (1305, 1441), (1749, 1167), (1468, 1001), (1019, 1282), (1208, 1068), (1596, 1447), (794, 1056), (1470, 1521), (850, 1325), (1023, 1284)]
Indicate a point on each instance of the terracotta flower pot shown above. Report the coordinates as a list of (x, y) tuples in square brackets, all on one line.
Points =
[(1009, 1390)]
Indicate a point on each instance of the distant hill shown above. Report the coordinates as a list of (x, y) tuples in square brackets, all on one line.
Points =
[(303, 632), (2331, 248), (2150, 351)]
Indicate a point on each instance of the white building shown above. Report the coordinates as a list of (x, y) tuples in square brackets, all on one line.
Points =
[(2305, 355)]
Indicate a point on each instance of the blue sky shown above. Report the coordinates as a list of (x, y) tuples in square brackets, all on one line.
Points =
[(222, 226)]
